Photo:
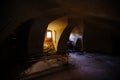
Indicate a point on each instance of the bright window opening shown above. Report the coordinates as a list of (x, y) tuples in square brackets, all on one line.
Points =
[(49, 34)]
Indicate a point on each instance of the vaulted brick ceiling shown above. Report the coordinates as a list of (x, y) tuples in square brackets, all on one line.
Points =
[(13, 12)]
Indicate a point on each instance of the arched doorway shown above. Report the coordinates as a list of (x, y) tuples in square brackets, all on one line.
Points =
[(76, 38), (72, 32), (55, 28)]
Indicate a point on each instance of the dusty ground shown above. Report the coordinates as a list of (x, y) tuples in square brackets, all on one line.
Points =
[(85, 67)]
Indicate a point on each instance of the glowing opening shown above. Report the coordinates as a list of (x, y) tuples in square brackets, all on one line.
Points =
[(49, 34)]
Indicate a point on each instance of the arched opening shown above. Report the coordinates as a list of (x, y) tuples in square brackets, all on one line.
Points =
[(53, 34), (75, 40), (72, 37)]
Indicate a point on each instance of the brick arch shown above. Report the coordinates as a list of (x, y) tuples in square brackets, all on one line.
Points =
[(65, 35), (37, 34)]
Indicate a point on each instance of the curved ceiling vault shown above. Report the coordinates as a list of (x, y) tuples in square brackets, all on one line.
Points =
[(14, 13)]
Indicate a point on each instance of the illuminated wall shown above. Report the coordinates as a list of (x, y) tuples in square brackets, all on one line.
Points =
[(57, 26), (75, 34)]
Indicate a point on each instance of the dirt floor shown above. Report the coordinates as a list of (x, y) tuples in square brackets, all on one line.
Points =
[(85, 66)]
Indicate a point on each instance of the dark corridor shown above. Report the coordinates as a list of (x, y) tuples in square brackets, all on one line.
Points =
[(23, 24)]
